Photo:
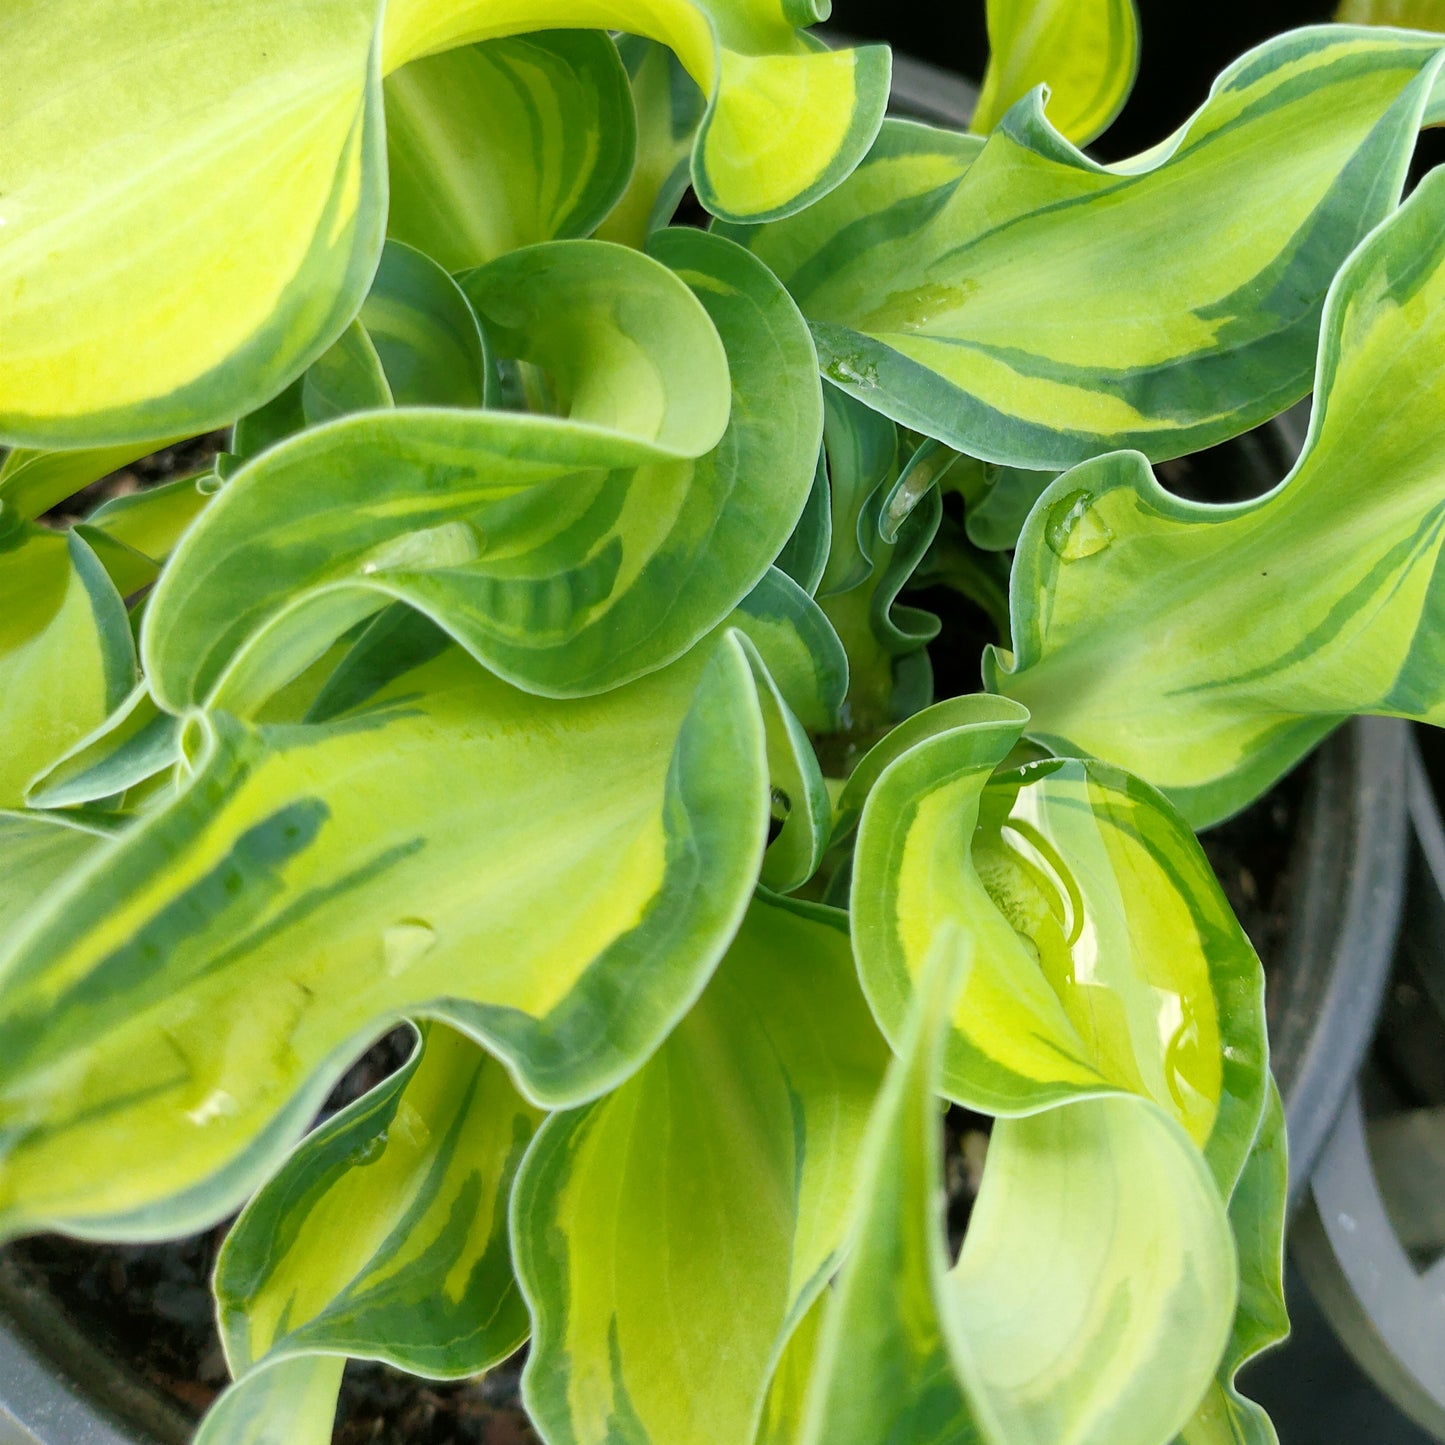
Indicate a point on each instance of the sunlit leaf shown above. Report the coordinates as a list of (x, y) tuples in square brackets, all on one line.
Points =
[(1105, 957), (133, 312)]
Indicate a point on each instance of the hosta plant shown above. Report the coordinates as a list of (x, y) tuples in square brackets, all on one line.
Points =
[(534, 670)]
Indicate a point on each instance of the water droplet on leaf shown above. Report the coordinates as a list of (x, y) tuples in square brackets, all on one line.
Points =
[(1074, 529), (368, 1152), (405, 942), (218, 1104)]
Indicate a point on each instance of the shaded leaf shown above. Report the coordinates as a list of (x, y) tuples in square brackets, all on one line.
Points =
[(500, 145)]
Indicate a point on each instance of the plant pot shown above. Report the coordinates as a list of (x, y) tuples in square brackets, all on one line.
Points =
[(1345, 876), (1370, 1240)]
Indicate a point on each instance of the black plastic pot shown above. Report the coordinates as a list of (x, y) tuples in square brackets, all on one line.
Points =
[(58, 1388)]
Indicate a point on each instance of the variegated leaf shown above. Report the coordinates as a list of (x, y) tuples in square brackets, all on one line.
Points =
[(665, 1281), (1090, 1302), (384, 1236), (1085, 51), (66, 654), (181, 1007), (500, 145), (103, 346), (669, 109), (1105, 958), (570, 554), (1207, 648), (1033, 308)]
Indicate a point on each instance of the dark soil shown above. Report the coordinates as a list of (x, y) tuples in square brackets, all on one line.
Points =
[(181, 460)]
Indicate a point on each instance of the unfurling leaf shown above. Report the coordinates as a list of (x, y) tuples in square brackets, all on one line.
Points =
[(569, 553)]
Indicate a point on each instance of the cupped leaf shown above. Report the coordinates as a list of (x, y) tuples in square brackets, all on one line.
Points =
[(121, 329), (1030, 307), (1106, 959), (569, 554), (556, 879), (346, 377), (66, 654), (669, 108), (415, 342), (500, 145), (861, 448), (1091, 1300), (1257, 1219), (425, 332), (669, 1236), (1208, 647), (384, 1236), (1085, 51)]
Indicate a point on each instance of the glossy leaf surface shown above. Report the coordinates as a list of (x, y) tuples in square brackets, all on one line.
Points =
[(1207, 648), (569, 553), (102, 346), (311, 884), (1085, 51), (1030, 307), (1105, 957), (647, 1267)]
